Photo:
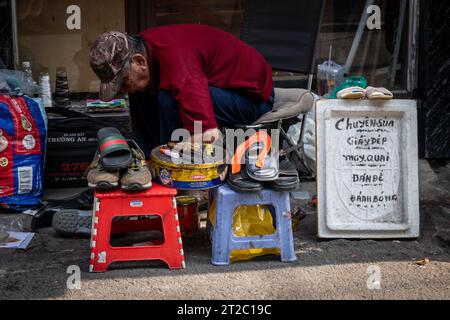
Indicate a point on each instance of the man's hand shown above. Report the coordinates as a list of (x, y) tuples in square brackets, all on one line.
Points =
[(209, 136)]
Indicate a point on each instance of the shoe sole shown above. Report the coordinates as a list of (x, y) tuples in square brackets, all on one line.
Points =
[(262, 178), (245, 190), (351, 96), (103, 185), (137, 187), (71, 223), (380, 98), (289, 188)]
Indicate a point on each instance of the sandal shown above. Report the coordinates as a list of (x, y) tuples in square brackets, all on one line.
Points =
[(269, 171), (378, 94), (114, 150), (241, 150), (242, 183), (288, 179)]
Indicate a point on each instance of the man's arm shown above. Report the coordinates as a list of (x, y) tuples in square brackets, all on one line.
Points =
[(195, 105)]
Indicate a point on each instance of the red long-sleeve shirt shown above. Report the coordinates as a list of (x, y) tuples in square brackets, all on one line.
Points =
[(193, 57)]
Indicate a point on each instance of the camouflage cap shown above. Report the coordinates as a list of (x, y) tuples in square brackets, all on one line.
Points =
[(109, 56)]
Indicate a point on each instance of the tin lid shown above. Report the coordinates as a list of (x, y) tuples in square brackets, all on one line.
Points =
[(166, 161)]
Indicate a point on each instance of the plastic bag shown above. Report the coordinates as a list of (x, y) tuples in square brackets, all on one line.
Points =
[(329, 75), (16, 83), (8, 224), (249, 221), (309, 139), (23, 132), (352, 81)]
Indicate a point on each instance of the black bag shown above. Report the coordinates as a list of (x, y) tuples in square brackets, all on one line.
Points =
[(71, 146)]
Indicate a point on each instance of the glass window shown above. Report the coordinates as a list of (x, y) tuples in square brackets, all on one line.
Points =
[(225, 14), (46, 41), (375, 54), (378, 48)]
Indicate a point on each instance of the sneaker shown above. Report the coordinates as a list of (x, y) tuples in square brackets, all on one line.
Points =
[(100, 178), (137, 177), (73, 222)]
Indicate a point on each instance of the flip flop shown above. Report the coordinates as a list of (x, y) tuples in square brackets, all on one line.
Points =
[(242, 183), (269, 171), (241, 150), (114, 149), (288, 179), (378, 94)]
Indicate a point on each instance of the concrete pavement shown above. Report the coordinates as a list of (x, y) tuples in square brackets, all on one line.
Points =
[(338, 269)]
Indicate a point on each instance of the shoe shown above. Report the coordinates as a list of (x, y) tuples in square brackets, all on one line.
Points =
[(100, 178), (44, 217), (242, 183), (378, 94), (288, 179), (73, 222), (352, 88), (137, 177), (351, 93)]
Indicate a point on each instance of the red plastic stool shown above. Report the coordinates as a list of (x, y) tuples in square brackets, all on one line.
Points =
[(159, 201)]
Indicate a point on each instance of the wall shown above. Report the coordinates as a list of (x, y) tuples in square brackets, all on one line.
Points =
[(45, 40)]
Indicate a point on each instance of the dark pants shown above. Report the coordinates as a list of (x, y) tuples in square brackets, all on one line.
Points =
[(230, 109)]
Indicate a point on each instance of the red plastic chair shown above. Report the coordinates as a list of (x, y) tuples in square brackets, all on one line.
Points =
[(159, 201)]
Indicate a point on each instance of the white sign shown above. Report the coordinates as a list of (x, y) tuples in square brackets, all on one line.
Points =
[(367, 169)]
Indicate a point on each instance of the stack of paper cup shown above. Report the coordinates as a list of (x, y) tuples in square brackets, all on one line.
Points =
[(45, 90)]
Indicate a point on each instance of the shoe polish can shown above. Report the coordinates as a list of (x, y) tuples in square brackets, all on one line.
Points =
[(188, 214)]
